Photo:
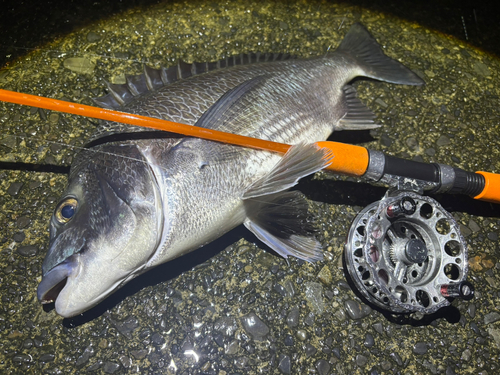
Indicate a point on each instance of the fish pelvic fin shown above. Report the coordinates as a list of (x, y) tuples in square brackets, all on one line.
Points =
[(360, 45), (281, 221), (300, 160)]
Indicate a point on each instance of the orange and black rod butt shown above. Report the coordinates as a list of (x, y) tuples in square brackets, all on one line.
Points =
[(442, 178)]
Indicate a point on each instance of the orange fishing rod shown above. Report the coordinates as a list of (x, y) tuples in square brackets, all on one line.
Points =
[(349, 160)]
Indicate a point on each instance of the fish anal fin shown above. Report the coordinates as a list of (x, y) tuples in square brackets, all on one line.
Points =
[(358, 116)]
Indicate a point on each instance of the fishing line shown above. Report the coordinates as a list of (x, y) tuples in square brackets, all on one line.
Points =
[(149, 164)]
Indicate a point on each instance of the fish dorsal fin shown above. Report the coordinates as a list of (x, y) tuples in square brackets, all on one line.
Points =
[(152, 79), (358, 116), (301, 160), (281, 222)]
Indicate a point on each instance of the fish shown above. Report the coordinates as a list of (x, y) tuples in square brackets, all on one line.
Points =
[(138, 198)]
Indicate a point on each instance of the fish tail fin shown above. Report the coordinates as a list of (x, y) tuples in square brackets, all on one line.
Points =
[(360, 45)]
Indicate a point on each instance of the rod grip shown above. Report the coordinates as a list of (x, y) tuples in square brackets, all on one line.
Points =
[(348, 159), (491, 191)]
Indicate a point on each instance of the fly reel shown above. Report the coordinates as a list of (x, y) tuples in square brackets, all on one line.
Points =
[(405, 254)]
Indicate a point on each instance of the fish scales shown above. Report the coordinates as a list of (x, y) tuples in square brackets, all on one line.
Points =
[(136, 198)]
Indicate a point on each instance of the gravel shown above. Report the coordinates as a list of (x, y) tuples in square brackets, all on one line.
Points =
[(231, 307)]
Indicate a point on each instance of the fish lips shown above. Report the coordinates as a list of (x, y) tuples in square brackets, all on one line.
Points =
[(55, 280)]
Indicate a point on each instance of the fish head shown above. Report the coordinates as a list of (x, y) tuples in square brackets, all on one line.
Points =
[(103, 231)]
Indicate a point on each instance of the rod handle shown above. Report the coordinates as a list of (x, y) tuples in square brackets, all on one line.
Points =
[(491, 190)]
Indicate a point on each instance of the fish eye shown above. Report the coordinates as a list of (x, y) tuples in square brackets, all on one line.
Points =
[(66, 210)]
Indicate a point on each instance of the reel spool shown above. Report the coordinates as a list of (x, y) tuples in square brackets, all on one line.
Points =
[(405, 254)]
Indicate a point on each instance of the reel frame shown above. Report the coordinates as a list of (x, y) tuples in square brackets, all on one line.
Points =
[(405, 254)]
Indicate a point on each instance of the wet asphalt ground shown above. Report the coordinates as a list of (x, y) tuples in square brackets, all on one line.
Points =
[(232, 307)]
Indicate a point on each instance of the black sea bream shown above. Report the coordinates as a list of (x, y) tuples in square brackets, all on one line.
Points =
[(136, 199)]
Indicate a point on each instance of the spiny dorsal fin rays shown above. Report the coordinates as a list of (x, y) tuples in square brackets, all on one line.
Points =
[(152, 79)]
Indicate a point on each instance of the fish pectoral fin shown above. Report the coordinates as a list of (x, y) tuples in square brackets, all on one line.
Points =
[(300, 160), (228, 104), (281, 222), (358, 116)]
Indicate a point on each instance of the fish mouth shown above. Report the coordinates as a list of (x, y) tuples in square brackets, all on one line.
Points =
[(55, 280)]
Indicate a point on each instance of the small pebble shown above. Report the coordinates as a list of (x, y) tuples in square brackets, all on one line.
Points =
[(369, 340), (325, 276), (309, 320), (357, 310), (226, 325), (284, 364), (386, 365), (420, 348), (466, 355), (412, 143), (361, 360), (473, 226), (19, 237), (314, 295), (139, 354), (385, 140), (23, 222), (48, 357), (491, 317), (381, 103), (280, 289), (396, 358), (54, 119), (443, 141), (379, 327), (310, 350), (430, 151), (111, 367), (493, 236), (301, 335), (232, 348), (481, 69), (255, 326), (93, 37), (10, 142), (323, 367), (157, 339), (15, 188), (27, 251), (125, 361), (28, 343), (21, 358), (336, 352), (80, 65), (292, 319)]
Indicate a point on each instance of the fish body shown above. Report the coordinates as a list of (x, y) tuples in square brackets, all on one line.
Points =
[(136, 199)]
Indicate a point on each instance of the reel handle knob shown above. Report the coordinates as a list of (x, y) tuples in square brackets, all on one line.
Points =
[(463, 290), (406, 206)]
